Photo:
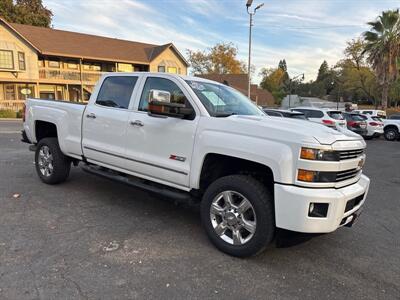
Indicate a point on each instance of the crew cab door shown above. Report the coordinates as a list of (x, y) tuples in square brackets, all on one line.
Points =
[(161, 147), (105, 121)]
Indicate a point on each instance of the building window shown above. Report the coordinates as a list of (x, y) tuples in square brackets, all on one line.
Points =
[(172, 70), (92, 67), (21, 61), (54, 64), (161, 69), (72, 65), (125, 67), (9, 92), (6, 59)]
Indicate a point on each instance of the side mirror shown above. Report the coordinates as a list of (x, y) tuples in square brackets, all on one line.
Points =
[(160, 105)]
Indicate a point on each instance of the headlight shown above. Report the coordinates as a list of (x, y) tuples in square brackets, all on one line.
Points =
[(318, 154)]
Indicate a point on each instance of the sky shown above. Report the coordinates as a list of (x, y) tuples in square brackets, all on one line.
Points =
[(304, 32)]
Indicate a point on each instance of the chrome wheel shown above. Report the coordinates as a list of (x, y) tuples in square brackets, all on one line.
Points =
[(45, 161), (233, 217)]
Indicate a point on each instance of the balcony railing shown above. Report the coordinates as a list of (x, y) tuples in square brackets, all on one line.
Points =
[(14, 105), (69, 75)]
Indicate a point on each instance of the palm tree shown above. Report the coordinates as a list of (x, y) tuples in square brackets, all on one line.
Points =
[(383, 49)]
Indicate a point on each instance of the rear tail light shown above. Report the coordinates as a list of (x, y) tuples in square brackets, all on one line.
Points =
[(352, 123), (23, 112), (373, 124), (328, 122)]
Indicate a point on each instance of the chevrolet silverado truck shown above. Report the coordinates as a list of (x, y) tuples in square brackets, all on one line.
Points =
[(197, 140)]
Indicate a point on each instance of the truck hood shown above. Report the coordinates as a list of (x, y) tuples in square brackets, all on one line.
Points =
[(298, 129)]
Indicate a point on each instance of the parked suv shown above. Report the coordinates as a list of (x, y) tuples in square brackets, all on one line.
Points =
[(374, 126), (327, 117), (373, 112), (356, 123)]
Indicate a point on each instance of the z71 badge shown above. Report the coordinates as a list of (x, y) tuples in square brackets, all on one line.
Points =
[(178, 158)]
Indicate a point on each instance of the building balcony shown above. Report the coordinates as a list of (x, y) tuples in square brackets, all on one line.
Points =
[(66, 76)]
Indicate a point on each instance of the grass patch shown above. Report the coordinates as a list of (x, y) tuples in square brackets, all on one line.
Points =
[(5, 113)]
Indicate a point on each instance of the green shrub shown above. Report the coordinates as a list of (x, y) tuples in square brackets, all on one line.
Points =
[(7, 113)]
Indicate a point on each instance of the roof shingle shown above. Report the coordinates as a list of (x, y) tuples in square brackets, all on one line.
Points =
[(50, 41)]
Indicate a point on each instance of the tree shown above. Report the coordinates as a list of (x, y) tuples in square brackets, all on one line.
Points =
[(273, 81), (323, 71), (359, 81), (220, 59), (30, 12), (282, 65), (382, 44)]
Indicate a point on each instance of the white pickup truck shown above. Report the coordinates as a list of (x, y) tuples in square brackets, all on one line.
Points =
[(391, 128), (194, 139)]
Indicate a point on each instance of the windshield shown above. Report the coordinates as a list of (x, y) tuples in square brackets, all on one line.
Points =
[(337, 115), (223, 101), (356, 117)]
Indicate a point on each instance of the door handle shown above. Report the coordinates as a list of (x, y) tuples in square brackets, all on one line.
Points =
[(137, 123), (91, 116)]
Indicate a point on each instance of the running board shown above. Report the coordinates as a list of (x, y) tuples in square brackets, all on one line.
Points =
[(152, 187)]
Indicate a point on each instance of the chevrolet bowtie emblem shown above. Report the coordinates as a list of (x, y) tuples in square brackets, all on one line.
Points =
[(361, 163)]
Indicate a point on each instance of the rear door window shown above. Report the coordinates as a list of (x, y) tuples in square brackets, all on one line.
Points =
[(376, 119), (314, 114), (116, 91), (337, 115)]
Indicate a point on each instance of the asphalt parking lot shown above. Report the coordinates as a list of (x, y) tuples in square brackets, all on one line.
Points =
[(91, 238)]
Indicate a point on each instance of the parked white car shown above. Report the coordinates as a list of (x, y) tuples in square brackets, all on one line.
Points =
[(328, 117), (372, 112), (374, 126)]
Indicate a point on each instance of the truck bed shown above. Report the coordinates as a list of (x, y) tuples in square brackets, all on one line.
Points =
[(66, 115)]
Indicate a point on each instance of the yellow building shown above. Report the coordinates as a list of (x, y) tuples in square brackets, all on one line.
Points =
[(63, 65)]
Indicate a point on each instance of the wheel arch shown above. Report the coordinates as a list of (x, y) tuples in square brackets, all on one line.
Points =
[(44, 129), (217, 165)]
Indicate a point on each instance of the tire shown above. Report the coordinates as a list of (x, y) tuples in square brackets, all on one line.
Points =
[(52, 166), (261, 210), (391, 134)]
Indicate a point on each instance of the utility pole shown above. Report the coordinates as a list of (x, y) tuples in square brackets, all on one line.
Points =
[(251, 14)]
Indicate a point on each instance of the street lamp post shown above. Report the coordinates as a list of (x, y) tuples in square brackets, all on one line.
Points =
[(290, 84), (251, 14)]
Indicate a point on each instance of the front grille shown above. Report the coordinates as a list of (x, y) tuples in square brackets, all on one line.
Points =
[(350, 154), (353, 203), (345, 175)]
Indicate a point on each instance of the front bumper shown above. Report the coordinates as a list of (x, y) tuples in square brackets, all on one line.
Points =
[(292, 205)]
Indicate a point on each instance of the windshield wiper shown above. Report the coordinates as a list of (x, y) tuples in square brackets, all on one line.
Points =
[(224, 115)]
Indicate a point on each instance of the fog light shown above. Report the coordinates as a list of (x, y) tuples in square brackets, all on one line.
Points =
[(318, 210)]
